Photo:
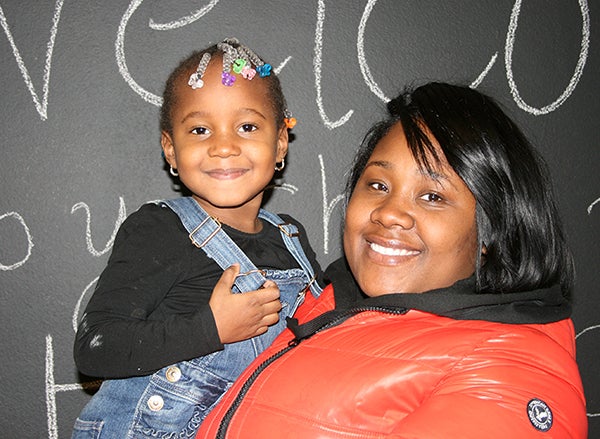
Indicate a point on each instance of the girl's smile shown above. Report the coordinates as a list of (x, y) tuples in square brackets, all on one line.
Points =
[(226, 174)]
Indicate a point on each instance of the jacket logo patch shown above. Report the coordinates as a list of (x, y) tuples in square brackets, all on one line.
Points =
[(539, 414)]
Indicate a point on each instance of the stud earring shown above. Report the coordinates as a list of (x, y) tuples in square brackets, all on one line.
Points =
[(173, 172), (280, 167)]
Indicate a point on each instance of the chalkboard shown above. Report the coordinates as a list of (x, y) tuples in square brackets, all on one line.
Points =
[(81, 86)]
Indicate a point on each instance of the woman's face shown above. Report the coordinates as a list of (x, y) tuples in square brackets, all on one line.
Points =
[(406, 230)]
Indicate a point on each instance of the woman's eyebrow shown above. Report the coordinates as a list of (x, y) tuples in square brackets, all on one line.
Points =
[(433, 174), (379, 163)]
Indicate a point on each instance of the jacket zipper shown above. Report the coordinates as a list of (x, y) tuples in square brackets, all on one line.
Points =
[(338, 319)]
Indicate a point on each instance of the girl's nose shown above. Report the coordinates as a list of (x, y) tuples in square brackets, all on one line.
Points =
[(223, 145), (393, 212)]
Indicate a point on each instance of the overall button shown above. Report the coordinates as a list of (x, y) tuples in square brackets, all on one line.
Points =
[(173, 374), (155, 403)]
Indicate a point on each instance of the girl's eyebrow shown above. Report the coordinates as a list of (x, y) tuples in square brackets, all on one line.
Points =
[(252, 111), (201, 114), (193, 114)]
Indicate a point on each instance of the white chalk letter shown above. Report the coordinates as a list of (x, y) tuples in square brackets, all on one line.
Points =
[(41, 107)]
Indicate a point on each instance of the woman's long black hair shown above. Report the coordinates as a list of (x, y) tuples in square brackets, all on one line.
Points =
[(517, 217)]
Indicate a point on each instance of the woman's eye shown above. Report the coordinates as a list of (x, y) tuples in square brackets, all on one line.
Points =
[(248, 128), (378, 186), (200, 131)]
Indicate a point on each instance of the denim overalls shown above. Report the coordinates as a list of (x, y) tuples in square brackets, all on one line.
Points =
[(172, 402)]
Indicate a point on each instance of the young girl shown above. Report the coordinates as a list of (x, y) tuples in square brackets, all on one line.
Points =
[(165, 324)]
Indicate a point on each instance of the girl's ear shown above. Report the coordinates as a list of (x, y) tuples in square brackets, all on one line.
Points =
[(282, 143), (166, 142)]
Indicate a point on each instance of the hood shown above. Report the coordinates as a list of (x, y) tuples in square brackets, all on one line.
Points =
[(460, 301)]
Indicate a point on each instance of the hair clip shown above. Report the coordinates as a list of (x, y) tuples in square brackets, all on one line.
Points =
[(290, 122), (264, 70), (242, 58), (248, 73), (229, 56), (238, 65), (237, 59), (227, 79), (195, 80)]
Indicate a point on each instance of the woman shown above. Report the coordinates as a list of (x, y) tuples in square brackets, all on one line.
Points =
[(449, 317)]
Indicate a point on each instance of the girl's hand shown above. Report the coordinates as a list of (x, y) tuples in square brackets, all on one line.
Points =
[(242, 316)]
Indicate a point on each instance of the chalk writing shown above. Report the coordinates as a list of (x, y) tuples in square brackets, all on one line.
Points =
[(317, 71), (510, 39), (120, 46), (21, 221), (483, 74), (122, 63), (41, 107), (588, 329), (183, 21), (88, 288), (88, 227), (327, 206), (284, 186), (52, 389), (591, 206), (364, 67), (362, 59)]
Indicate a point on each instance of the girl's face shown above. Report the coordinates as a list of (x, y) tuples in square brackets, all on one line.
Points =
[(225, 144), (407, 231)]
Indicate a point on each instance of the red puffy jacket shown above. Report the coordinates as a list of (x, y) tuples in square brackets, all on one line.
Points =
[(381, 374)]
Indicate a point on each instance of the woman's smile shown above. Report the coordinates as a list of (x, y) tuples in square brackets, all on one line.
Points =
[(392, 248)]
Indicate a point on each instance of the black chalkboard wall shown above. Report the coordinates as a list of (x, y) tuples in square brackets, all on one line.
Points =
[(81, 82)]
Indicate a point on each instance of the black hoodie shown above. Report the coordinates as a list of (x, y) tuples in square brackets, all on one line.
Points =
[(459, 301)]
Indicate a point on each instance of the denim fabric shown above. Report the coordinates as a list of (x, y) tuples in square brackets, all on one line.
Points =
[(172, 402)]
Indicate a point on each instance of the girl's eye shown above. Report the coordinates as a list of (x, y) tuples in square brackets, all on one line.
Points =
[(248, 128), (432, 197), (200, 131)]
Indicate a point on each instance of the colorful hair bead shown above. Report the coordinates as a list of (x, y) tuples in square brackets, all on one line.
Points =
[(195, 80), (290, 122), (264, 70), (238, 65), (237, 59), (227, 79), (248, 72)]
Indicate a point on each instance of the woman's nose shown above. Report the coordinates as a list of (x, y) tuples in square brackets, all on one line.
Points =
[(223, 145), (394, 212)]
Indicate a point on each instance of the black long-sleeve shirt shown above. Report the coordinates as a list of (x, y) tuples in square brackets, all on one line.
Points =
[(150, 306)]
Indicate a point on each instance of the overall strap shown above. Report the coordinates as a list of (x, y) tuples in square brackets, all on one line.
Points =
[(289, 234), (206, 233)]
